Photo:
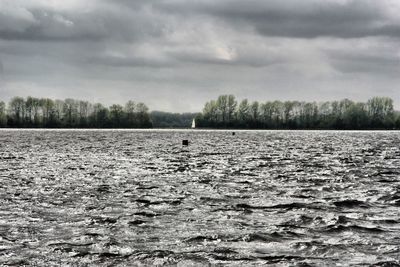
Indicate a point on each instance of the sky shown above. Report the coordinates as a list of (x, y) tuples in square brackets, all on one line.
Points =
[(174, 55)]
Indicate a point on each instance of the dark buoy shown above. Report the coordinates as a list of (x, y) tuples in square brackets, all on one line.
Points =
[(185, 142), (233, 133)]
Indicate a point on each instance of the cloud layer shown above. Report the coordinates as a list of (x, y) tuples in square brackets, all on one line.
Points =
[(175, 54)]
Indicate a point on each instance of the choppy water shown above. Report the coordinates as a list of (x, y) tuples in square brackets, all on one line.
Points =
[(128, 198)]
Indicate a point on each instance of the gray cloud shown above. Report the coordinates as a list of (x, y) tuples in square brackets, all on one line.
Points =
[(300, 19), (367, 63), (176, 54), (134, 62), (102, 22)]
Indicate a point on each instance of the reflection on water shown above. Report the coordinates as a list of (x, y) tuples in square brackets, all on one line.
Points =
[(123, 198)]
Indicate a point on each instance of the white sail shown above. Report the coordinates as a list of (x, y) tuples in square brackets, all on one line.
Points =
[(193, 124)]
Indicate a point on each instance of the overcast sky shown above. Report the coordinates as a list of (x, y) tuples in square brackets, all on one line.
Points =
[(176, 54)]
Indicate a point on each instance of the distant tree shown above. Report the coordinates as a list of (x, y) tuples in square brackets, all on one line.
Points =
[(116, 116), (130, 111), (288, 109), (222, 108), (266, 112), (84, 110), (36, 112), (99, 117), (325, 115), (70, 113), (254, 111), (3, 115), (224, 112), (254, 114), (29, 103), (231, 108), (17, 112), (143, 116), (277, 109), (381, 112), (210, 113), (397, 121), (58, 112), (378, 112), (355, 116), (49, 113), (243, 113)]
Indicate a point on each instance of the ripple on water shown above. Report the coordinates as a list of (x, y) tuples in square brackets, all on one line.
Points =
[(126, 198)]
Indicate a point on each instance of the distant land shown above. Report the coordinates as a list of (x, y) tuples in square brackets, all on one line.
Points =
[(223, 113)]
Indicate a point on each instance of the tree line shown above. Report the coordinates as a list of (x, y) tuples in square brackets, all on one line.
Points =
[(70, 113), (227, 112), (162, 119), (224, 112)]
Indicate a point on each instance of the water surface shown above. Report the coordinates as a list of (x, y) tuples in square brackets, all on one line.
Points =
[(138, 198)]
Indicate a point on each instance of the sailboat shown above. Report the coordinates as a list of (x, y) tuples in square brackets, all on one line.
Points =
[(193, 124)]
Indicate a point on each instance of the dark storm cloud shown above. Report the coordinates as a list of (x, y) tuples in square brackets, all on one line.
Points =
[(300, 19), (105, 22), (128, 20)]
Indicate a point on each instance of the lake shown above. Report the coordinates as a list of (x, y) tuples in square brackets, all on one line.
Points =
[(138, 198)]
